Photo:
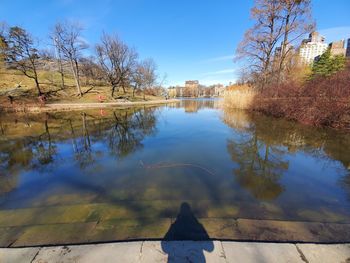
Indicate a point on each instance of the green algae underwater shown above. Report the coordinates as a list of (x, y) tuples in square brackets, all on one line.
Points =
[(122, 174)]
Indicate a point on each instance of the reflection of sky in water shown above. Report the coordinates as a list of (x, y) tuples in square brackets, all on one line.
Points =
[(225, 164)]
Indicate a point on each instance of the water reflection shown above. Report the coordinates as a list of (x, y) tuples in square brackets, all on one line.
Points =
[(193, 106), (258, 172), (36, 147), (130, 168), (324, 143), (263, 144)]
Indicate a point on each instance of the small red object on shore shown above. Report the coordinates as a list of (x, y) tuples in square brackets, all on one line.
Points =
[(101, 98), (42, 99)]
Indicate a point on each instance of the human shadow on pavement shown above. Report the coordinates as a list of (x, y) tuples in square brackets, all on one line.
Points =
[(186, 228)]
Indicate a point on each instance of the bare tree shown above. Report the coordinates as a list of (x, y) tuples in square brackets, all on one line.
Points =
[(260, 41), (297, 21), (276, 22), (148, 69), (137, 80), (90, 70), (117, 61), (68, 40), (23, 54), (58, 57)]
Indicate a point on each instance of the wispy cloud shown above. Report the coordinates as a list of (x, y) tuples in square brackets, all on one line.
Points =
[(224, 81), (218, 59), (223, 76), (335, 33), (220, 72)]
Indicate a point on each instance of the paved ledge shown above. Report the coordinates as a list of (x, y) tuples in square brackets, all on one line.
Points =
[(21, 228), (181, 251)]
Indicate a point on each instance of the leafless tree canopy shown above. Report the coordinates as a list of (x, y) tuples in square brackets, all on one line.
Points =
[(68, 40), (267, 47), (23, 54), (114, 65), (91, 70), (144, 76), (117, 60)]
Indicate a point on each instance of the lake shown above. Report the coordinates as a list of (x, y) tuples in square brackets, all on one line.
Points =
[(131, 174)]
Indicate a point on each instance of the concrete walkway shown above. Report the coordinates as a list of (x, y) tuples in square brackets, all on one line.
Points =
[(181, 251)]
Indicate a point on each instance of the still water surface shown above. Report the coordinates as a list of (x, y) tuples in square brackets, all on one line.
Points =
[(141, 164)]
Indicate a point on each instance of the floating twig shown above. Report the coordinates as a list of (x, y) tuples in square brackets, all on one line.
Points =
[(174, 165)]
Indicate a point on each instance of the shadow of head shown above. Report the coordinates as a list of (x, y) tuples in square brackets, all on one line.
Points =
[(186, 239)]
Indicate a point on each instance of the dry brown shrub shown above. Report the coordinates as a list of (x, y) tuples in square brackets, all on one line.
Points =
[(320, 102)]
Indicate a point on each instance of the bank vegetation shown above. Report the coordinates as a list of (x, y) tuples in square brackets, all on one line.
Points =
[(274, 80)]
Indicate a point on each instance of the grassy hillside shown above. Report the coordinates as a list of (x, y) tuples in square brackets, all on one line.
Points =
[(23, 89)]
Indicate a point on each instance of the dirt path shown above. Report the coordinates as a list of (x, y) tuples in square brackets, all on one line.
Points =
[(79, 106)]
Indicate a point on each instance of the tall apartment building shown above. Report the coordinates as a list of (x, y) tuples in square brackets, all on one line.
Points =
[(348, 49), (312, 47), (337, 48)]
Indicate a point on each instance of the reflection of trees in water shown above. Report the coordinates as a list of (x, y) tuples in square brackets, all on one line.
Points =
[(260, 166), (129, 130), (8, 183), (260, 161), (36, 146), (2, 130), (272, 134), (26, 153), (123, 130), (323, 143), (43, 147), (82, 145), (14, 157)]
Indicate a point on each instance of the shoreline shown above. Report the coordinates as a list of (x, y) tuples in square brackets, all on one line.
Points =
[(80, 106)]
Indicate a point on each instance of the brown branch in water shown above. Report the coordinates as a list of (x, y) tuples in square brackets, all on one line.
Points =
[(173, 165)]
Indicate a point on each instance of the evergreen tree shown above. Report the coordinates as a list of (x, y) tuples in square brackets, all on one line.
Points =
[(327, 65)]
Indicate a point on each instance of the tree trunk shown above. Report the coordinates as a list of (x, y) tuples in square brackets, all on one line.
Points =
[(283, 49), (38, 86), (37, 83), (60, 66), (113, 88), (76, 78), (62, 74)]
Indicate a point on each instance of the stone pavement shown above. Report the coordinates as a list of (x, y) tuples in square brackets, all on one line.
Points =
[(181, 251)]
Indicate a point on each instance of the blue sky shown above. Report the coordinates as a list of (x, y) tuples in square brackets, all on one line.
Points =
[(189, 39)]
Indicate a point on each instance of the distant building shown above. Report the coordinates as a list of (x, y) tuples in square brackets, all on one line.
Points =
[(194, 89), (219, 90), (192, 84), (348, 49), (312, 48), (337, 48), (172, 92), (179, 91), (191, 88)]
